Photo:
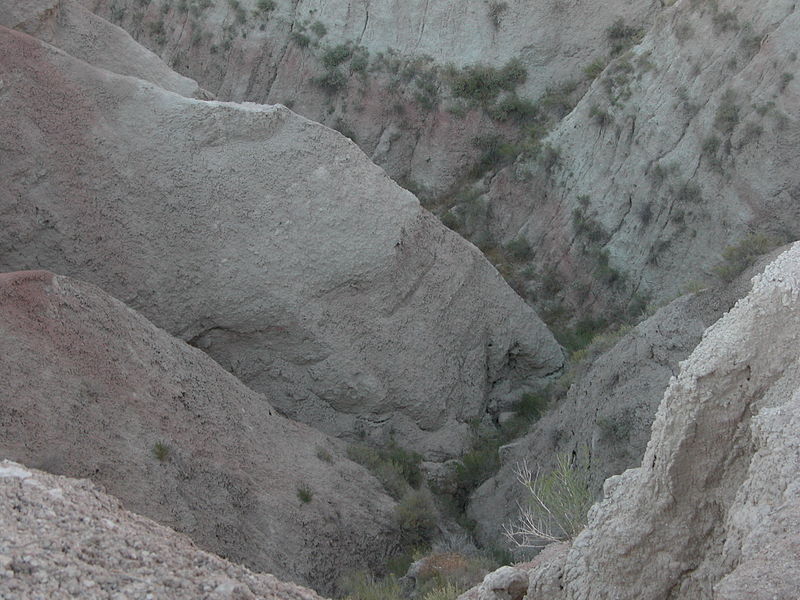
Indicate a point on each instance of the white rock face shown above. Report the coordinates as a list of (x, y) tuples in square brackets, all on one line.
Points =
[(713, 511), (267, 240), (65, 538), (89, 388), (682, 147)]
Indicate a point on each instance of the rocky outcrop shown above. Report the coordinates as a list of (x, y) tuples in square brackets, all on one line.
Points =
[(242, 53), (89, 388), (604, 420), (681, 147), (712, 512), (267, 240), (65, 538), (69, 26)]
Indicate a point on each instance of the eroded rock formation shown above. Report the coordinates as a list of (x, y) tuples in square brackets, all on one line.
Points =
[(89, 388), (267, 240), (713, 511)]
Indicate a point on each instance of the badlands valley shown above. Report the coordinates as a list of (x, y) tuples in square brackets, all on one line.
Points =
[(379, 300)]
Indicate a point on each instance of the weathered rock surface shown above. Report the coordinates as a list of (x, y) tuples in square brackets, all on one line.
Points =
[(713, 511), (680, 148), (65, 538), (242, 55), (89, 388), (605, 419), (267, 240), (80, 33)]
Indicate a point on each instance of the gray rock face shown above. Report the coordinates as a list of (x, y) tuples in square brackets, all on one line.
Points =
[(680, 148), (713, 511), (267, 240), (80, 33), (90, 388), (65, 538)]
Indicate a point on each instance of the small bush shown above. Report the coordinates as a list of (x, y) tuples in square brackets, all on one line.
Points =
[(496, 10), (331, 81), (514, 108), (397, 469), (600, 116), (300, 39), (520, 248), (621, 36), (161, 451), (324, 455), (531, 406), (559, 502), (415, 518), (304, 494), (265, 6), (364, 586), (738, 257), (725, 20), (594, 68), (482, 83), (727, 116), (333, 57), (319, 29)]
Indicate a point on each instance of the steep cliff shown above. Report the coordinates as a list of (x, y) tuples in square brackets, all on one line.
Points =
[(713, 511), (682, 147), (267, 240), (604, 419), (89, 388)]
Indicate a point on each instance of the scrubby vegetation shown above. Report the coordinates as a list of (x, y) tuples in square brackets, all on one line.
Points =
[(558, 504)]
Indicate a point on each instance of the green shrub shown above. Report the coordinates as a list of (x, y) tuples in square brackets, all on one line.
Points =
[(319, 29), (600, 116), (689, 193), (305, 494), (514, 108), (324, 455), (396, 468), (725, 20), (727, 116), (531, 406), (738, 257), (558, 504), (520, 248), (621, 36), (495, 153), (415, 518), (482, 83), (300, 39), (364, 586), (336, 55), (265, 6), (594, 68), (331, 81), (496, 10), (616, 428), (161, 450), (447, 591)]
